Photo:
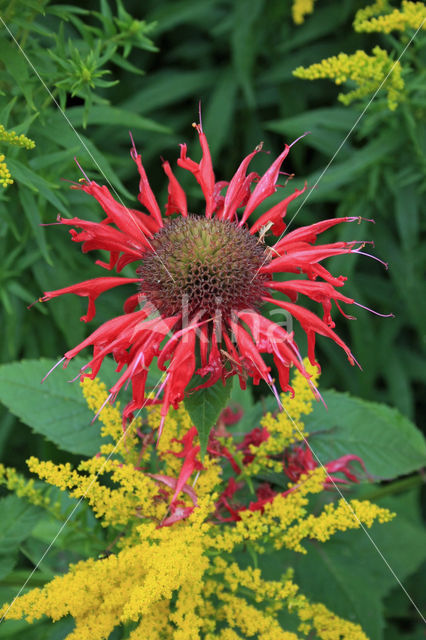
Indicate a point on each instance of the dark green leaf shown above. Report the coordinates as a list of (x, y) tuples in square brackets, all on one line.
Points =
[(387, 441), (204, 407), (55, 409), (18, 518)]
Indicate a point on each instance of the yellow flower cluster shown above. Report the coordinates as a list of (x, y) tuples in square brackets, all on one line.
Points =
[(5, 175), (22, 487), (345, 515), (12, 138), (285, 427), (368, 73), (410, 15), (300, 9), (181, 581)]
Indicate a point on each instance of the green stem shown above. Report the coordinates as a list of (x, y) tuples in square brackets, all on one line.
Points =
[(395, 487)]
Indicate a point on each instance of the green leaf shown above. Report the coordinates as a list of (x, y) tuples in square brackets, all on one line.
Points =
[(355, 588), (25, 176), (54, 409), (31, 211), (387, 441), (18, 518), (113, 117), (245, 44), (204, 407), (252, 412), (7, 564)]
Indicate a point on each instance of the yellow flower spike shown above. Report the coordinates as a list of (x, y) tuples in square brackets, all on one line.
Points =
[(5, 175), (334, 518), (367, 72), (283, 430), (252, 621), (22, 487), (111, 506), (12, 138), (300, 9), (380, 17), (95, 393), (169, 580)]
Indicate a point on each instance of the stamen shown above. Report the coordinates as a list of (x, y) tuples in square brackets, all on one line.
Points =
[(79, 166), (275, 392), (359, 218), (316, 392), (52, 369), (307, 133), (35, 302), (86, 366), (362, 253), (133, 151), (376, 313), (199, 116), (196, 478), (161, 387), (103, 405), (160, 429)]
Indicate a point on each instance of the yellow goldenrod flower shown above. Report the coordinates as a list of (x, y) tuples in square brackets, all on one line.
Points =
[(383, 18), (366, 72), (300, 9), (334, 518), (22, 487), (181, 581), (283, 429), (5, 176), (12, 138)]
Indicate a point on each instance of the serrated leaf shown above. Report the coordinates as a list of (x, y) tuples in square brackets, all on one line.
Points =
[(204, 407), (356, 587), (55, 409), (387, 441)]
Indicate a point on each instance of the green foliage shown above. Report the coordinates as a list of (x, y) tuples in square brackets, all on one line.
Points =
[(204, 407), (387, 441), (55, 408), (18, 519), (92, 58), (356, 576)]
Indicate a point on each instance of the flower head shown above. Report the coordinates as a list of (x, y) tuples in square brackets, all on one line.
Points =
[(201, 282)]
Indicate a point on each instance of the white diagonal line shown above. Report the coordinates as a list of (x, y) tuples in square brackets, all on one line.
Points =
[(362, 526), (64, 524), (344, 140), (353, 126)]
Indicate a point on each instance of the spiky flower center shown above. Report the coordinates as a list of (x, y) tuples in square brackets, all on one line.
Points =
[(203, 266)]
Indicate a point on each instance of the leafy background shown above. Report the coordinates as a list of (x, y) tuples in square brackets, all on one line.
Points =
[(115, 67)]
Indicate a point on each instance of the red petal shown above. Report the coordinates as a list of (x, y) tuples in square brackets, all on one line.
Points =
[(90, 289), (127, 220), (321, 292), (311, 324), (276, 214), (176, 202), (266, 185), (310, 232), (203, 172), (146, 196), (238, 186)]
